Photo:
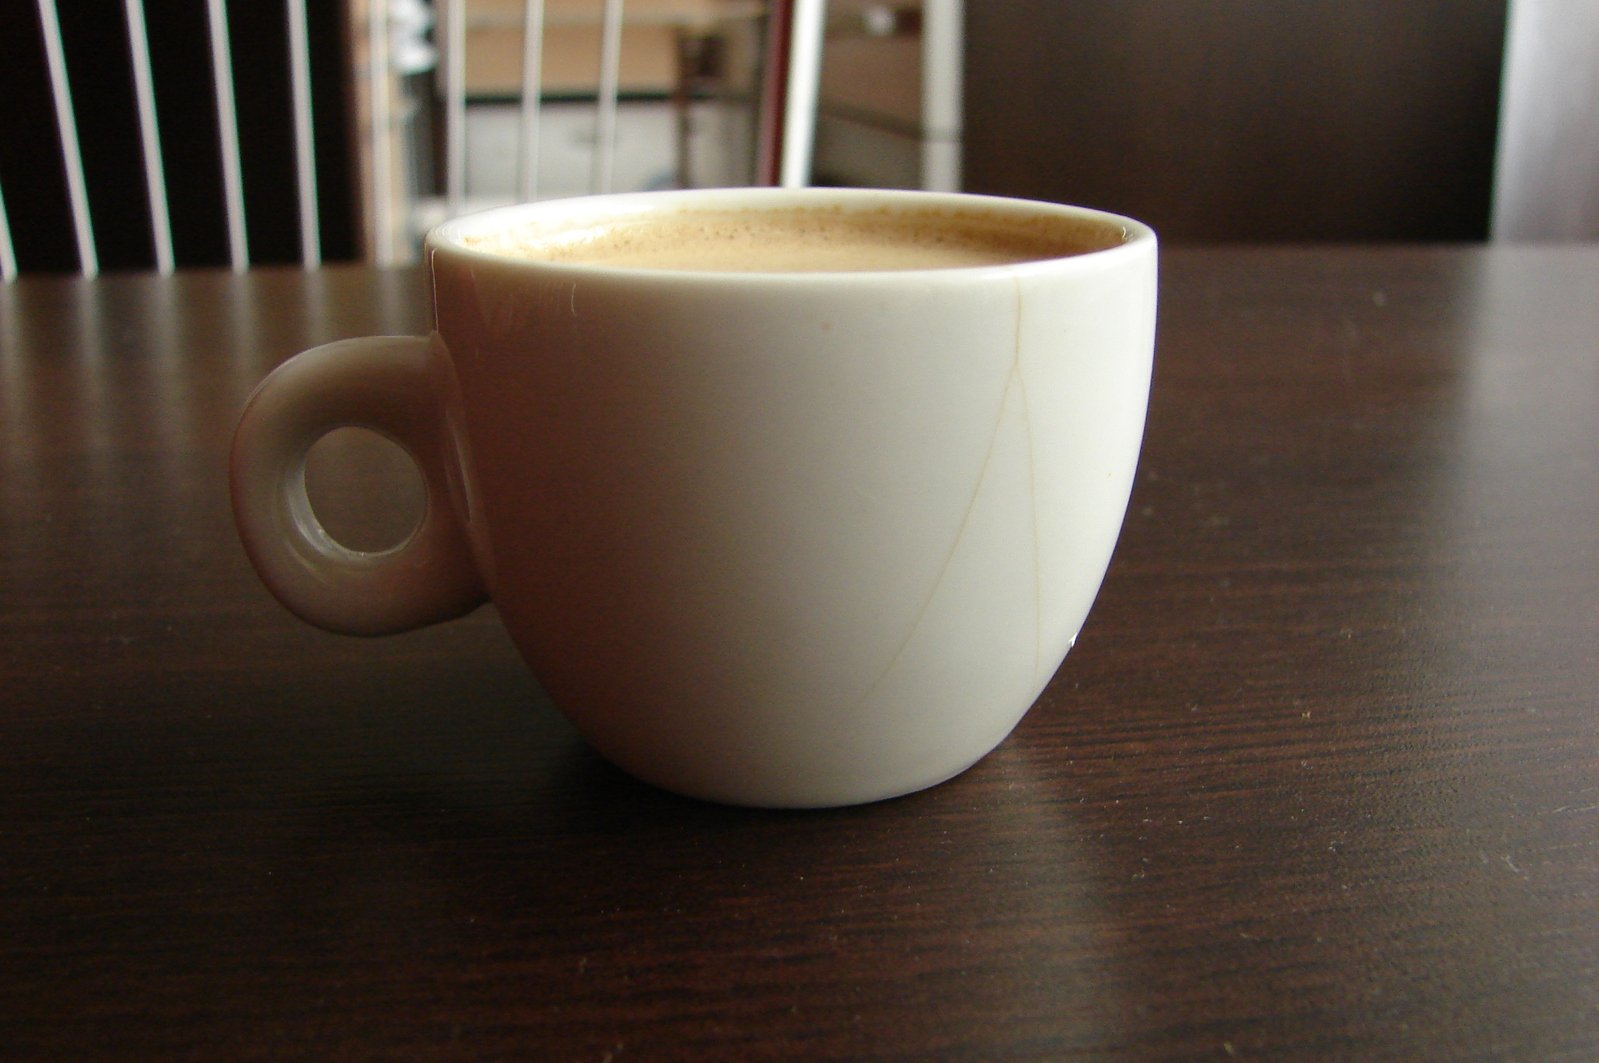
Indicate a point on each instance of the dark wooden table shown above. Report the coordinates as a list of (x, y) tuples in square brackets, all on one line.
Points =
[(1320, 780)]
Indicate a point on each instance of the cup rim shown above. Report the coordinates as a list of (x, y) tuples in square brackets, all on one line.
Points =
[(448, 237)]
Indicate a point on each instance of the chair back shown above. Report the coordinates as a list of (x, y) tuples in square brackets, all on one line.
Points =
[(388, 213)]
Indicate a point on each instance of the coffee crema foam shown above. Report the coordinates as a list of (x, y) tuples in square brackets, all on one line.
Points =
[(804, 240)]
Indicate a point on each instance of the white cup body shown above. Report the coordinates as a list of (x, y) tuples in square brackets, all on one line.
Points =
[(793, 539)]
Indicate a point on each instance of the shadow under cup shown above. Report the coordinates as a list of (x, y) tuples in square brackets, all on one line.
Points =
[(789, 498)]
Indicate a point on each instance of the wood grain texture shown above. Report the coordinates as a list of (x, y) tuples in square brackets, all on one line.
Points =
[(1320, 780)]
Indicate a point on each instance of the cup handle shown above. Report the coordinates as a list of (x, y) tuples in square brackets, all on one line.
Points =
[(381, 383)]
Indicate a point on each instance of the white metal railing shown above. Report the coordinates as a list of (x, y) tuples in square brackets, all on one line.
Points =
[(8, 257), (155, 180), (304, 143), (797, 25), (527, 156), (57, 64), (379, 122), (228, 123), (453, 56), (67, 126), (807, 23)]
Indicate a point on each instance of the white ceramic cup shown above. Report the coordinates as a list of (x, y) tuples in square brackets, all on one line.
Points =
[(781, 539)]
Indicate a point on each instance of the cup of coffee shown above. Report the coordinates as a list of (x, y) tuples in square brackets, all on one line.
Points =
[(788, 497)]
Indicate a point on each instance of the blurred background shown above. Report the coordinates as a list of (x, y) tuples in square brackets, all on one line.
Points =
[(1214, 120)]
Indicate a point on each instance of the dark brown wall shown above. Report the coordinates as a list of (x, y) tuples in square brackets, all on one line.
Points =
[(1242, 119)]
